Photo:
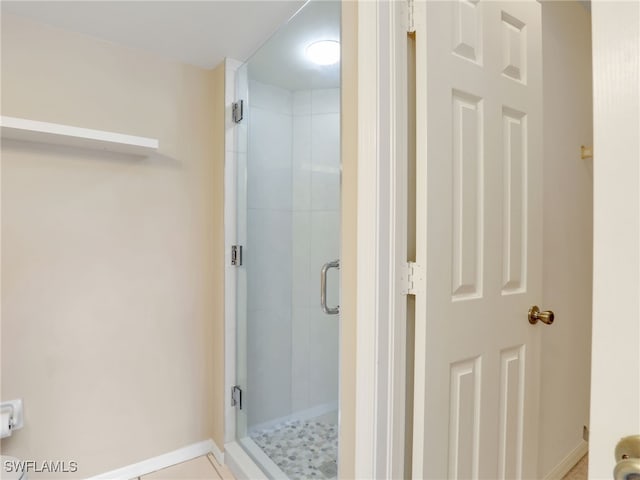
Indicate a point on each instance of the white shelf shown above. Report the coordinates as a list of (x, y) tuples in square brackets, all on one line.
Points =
[(54, 133)]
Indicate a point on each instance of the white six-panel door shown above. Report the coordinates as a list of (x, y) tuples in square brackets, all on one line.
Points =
[(479, 146)]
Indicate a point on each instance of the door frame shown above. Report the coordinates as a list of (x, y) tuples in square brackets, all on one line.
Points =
[(382, 161)]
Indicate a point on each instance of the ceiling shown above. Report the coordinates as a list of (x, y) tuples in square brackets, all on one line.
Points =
[(199, 33), (282, 61)]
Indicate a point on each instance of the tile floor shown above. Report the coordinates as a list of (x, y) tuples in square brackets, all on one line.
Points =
[(580, 471), (207, 468), (302, 449), (201, 468)]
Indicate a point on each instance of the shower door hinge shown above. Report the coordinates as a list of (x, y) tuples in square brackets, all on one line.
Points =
[(237, 111), (411, 28), (236, 255), (411, 278), (236, 397)]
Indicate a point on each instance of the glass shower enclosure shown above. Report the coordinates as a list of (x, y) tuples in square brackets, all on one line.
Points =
[(288, 222)]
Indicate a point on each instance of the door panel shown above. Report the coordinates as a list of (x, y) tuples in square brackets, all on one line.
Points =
[(615, 374), (479, 96)]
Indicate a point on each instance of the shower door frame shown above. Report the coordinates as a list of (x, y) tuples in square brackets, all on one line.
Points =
[(235, 457)]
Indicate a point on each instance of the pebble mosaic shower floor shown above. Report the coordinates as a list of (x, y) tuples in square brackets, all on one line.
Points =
[(302, 449)]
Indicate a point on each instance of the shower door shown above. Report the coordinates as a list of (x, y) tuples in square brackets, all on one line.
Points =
[(289, 228)]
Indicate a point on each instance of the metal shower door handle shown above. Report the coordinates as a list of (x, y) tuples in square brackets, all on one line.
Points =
[(323, 288)]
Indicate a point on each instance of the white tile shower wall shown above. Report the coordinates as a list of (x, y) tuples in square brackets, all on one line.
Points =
[(293, 208), (268, 253), (316, 226)]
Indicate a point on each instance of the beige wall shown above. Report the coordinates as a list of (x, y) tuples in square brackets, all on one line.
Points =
[(112, 266), (568, 210)]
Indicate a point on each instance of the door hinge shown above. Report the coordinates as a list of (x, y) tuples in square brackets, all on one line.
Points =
[(411, 278), (236, 255), (411, 21), (237, 111), (236, 397)]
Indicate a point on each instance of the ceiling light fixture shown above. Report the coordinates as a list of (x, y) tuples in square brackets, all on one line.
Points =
[(324, 52)]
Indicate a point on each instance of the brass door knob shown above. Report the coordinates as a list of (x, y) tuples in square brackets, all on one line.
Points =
[(628, 458), (545, 317)]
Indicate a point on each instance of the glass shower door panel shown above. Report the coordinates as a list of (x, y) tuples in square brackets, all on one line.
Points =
[(288, 223)]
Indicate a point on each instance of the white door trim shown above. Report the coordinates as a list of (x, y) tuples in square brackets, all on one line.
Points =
[(367, 240), (381, 242)]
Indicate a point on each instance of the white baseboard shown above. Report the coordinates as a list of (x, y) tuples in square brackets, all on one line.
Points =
[(568, 462), (163, 461)]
